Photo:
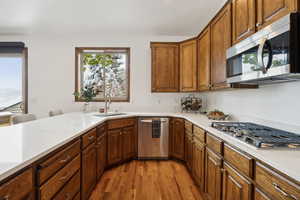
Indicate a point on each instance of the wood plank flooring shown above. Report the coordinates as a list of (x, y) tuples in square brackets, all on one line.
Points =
[(147, 180)]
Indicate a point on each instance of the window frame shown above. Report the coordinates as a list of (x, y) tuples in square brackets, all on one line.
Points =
[(24, 56), (79, 50)]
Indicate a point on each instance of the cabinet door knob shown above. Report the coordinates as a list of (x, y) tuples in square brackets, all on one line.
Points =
[(258, 24), (66, 159), (91, 137)]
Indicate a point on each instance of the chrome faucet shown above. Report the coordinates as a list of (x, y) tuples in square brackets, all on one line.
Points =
[(107, 99)]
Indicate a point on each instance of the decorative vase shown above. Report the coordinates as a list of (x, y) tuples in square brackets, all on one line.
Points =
[(85, 108)]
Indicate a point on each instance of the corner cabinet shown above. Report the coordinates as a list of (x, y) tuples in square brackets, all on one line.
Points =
[(243, 19), (121, 140), (165, 67), (188, 66), (220, 42), (204, 60), (177, 138), (269, 11)]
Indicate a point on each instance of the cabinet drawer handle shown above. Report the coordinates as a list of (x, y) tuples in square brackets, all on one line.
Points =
[(66, 159), (277, 187), (258, 24), (6, 197), (91, 137)]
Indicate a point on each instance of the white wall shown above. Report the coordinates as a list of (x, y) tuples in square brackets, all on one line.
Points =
[(52, 72), (277, 103)]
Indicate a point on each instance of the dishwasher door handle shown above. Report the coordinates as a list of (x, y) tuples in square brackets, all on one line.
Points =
[(146, 121)]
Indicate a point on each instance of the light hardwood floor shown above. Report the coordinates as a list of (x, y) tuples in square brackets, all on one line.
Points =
[(147, 180)]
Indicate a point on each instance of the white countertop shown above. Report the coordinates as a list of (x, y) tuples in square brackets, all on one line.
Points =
[(23, 144)]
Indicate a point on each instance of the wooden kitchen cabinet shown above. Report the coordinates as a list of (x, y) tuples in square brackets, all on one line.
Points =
[(101, 154), (128, 143), (165, 67), (203, 75), (19, 187), (114, 149), (269, 11), (121, 141), (259, 195), (198, 163), (213, 175), (243, 19), (189, 151), (177, 129), (235, 186), (89, 172), (220, 42), (188, 66)]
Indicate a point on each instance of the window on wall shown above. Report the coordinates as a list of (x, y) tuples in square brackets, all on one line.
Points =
[(102, 72), (13, 78)]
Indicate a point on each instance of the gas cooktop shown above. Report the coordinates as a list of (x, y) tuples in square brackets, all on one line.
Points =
[(258, 135)]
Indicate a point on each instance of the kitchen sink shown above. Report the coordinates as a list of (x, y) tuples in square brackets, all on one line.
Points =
[(109, 114)]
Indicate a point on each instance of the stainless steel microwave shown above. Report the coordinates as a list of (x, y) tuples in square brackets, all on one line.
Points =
[(270, 55)]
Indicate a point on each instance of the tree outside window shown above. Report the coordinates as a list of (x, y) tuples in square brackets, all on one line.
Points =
[(102, 72)]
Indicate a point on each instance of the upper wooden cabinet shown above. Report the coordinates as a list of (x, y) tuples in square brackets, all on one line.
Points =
[(204, 60), (165, 67), (220, 41), (269, 11), (243, 19), (188, 66)]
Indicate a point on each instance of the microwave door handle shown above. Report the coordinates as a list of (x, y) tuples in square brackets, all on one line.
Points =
[(260, 55)]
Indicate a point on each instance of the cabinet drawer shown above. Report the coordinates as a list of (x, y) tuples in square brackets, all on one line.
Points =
[(53, 185), (89, 138), (18, 187), (70, 189), (214, 144), (239, 160), (120, 123), (188, 126), (275, 185), (56, 162), (199, 133), (100, 130)]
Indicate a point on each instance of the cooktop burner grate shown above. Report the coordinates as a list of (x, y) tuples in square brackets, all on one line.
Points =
[(259, 135)]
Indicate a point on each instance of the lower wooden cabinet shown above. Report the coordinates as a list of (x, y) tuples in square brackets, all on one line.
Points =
[(114, 149), (20, 187), (89, 173), (121, 142), (128, 143), (189, 152), (259, 195), (177, 134), (235, 186), (101, 146), (198, 163), (213, 175)]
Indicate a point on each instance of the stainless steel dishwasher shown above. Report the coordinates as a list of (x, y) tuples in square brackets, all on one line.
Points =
[(153, 138)]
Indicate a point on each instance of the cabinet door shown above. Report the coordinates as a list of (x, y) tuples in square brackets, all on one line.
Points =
[(165, 67), (101, 155), (198, 163), (128, 143), (188, 66), (189, 152), (259, 195), (243, 19), (235, 186), (89, 174), (204, 60), (220, 42), (114, 148), (178, 138), (213, 175), (269, 11)]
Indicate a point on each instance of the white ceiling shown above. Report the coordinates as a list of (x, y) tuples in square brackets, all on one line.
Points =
[(161, 17)]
